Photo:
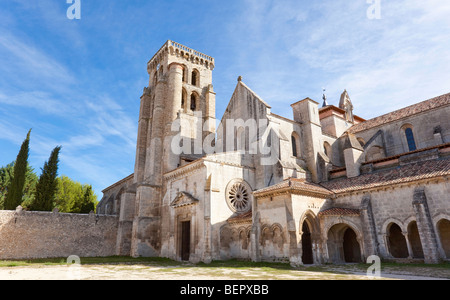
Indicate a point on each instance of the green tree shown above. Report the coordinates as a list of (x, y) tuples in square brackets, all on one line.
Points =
[(47, 185), (74, 197), (67, 193), (14, 194), (89, 199), (6, 175)]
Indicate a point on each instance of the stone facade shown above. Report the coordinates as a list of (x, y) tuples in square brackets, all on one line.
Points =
[(323, 187)]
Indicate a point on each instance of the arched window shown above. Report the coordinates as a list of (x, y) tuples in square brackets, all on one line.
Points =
[(410, 139), (295, 141), (195, 78), (294, 146), (193, 102)]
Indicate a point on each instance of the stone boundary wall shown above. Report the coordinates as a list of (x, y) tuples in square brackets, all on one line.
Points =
[(27, 235)]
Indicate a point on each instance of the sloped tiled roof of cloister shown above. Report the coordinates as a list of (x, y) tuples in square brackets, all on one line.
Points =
[(402, 113), (398, 175)]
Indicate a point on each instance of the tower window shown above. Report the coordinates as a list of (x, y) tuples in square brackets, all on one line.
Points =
[(193, 102), (195, 78), (410, 139)]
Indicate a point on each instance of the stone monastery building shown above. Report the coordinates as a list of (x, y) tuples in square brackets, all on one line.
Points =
[(323, 187)]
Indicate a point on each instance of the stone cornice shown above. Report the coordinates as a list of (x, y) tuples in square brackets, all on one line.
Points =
[(181, 171)]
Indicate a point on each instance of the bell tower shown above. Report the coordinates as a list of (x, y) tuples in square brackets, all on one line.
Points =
[(180, 90)]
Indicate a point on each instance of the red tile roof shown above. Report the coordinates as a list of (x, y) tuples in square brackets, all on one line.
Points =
[(401, 113), (339, 211), (401, 174)]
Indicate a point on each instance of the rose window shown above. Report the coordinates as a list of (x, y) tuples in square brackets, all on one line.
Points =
[(238, 196)]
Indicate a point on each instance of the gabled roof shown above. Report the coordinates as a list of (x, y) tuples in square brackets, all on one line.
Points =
[(293, 186), (423, 106), (183, 199)]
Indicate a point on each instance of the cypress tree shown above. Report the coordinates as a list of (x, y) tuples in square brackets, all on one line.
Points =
[(47, 184), (15, 189), (87, 205)]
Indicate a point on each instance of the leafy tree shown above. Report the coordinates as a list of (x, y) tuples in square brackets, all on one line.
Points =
[(15, 188), (6, 175), (74, 197), (47, 186)]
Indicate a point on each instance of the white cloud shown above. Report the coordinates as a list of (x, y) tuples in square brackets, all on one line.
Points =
[(384, 64)]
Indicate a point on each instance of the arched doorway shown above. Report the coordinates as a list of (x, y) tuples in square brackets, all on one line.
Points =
[(414, 240), (343, 245), (443, 227), (307, 253), (397, 241), (352, 252)]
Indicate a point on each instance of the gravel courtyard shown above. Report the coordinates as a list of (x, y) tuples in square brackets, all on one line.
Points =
[(171, 270)]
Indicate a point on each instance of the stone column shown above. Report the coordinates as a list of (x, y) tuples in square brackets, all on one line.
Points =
[(368, 226), (408, 245), (425, 226)]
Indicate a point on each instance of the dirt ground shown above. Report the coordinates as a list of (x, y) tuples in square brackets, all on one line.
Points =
[(186, 272)]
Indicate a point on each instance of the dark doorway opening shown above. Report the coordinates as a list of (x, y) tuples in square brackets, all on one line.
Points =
[(397, 242), (185, 240), (352, 252), (307, 255)]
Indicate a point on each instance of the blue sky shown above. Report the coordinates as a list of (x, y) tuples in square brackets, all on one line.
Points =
[(77, 83)]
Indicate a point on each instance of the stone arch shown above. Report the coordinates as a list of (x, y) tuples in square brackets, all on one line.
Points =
[(308, 235), (225, 237), (396, 241), (195, 77), (344, 243), (266, 235), (307, 250), (414, 240), (443, 230), (194, 101), (243, 238), (277, 235)]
